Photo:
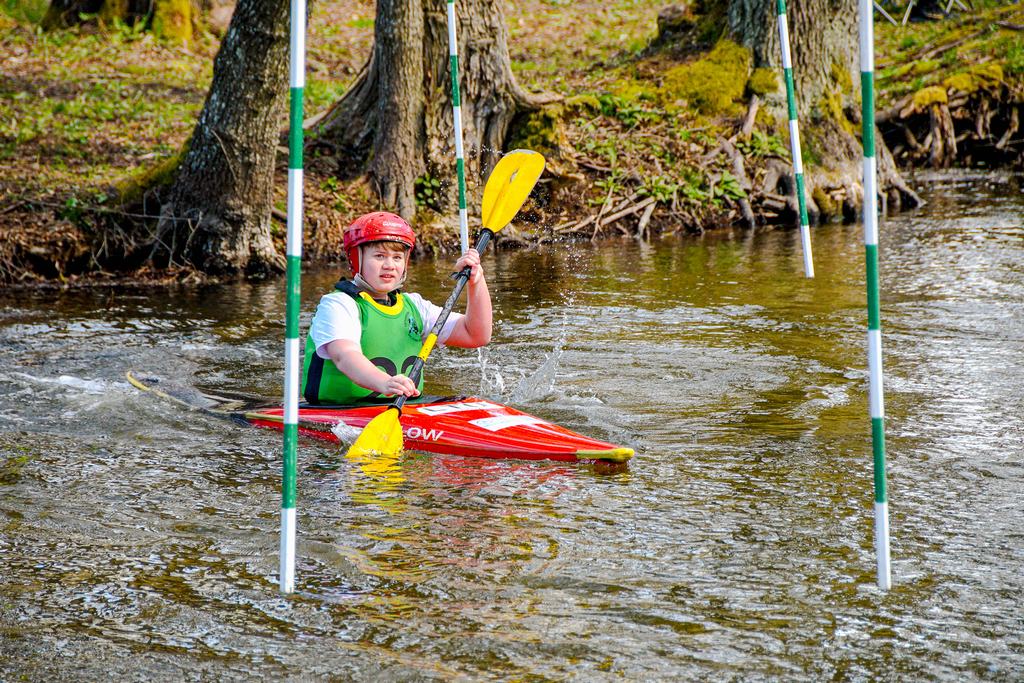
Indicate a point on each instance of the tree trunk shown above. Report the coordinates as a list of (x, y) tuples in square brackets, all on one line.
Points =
[(396, 121), (943, 135), (217, 214), (825, 56), (64, 13), (823, 44)]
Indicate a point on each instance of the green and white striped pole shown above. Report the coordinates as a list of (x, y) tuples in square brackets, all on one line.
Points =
[(794, 138), (876, 405), (294, 254), (460, 159)]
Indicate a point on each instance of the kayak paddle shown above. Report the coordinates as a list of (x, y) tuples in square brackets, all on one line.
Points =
[(507, 188)]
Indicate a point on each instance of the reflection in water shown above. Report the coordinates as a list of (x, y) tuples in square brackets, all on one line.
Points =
[(376, 477), (139, 539)]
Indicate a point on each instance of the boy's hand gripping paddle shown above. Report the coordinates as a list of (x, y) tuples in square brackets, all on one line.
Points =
[(507, 188)]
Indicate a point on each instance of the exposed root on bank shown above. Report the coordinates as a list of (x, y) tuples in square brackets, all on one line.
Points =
[(972, 120)]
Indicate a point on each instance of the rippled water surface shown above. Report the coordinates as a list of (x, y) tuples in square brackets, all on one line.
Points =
[(139, 540)]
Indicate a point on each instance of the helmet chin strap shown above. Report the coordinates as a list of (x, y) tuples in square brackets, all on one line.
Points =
[(361, 282)]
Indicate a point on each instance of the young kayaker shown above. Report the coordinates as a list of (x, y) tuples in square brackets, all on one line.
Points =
[(366, 334)]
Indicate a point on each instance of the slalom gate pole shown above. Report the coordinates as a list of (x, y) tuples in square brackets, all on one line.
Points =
[(875, 394), (460, 159), (794, 138), (297, 57)]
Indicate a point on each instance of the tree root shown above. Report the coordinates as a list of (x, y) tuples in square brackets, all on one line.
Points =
[(970, 129)]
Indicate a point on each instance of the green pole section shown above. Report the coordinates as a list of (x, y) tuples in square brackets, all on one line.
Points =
[(794, 138), (875, 393), (297, 58), (460, 160)]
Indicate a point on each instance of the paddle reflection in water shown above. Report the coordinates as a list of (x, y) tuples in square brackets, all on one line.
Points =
[(376, 476)]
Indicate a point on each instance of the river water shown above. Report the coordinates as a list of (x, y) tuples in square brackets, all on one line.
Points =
[(139, 540)]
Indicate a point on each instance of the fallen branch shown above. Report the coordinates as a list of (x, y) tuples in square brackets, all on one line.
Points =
[(1014, 124), (740, 172), (942, 49), (894, 111), (645, 219), (628, 211), (12, 207), (748, 123), (593, 165)]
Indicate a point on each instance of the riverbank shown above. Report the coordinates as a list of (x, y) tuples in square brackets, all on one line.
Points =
[(85, 109)]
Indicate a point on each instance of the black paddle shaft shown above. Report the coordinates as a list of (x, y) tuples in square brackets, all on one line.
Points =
[(460, 283)]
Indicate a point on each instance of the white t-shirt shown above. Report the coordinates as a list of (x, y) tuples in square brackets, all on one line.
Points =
[(337, 317)]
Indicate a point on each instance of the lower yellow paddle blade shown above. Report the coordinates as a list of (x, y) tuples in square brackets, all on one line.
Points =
[(508, 186), (381, 436)]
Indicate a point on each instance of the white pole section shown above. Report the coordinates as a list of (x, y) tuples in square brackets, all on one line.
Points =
[(460, 159), (794, 139), (875, 401), (297, 56)]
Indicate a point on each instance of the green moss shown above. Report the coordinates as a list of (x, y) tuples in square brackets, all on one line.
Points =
[(542, 131), (841, 77), (811, 147), (712, 21), (634, 90), (713, 84), (1014, 56), (828, 206), (113, 11), (925, 97), (587, 102), (172, 20), (832, 107), (763, 82), (895, 73), (132, 189), (924, 67), (24, 11), (977, 78)]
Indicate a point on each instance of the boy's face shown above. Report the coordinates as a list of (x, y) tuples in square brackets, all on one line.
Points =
[(383, 265)]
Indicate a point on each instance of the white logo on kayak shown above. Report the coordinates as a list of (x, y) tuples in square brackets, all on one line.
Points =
[(494, 424), (424, 434), (463, 406)]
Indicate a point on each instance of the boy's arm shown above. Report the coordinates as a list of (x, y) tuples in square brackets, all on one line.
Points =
[(349, 359), (474, 328)]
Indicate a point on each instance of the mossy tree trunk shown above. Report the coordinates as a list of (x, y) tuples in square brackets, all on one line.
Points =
[(170, 19), (823, 39), (825, 55), (216, 216), (395, 123)]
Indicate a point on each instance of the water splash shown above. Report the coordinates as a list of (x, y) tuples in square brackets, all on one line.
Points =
[(492, 382), (86, 386), (528, 387), (541, 382), (346, 434)]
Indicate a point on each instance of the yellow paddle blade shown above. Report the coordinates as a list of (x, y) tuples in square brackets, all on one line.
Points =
[(508, 186), (381, 436)]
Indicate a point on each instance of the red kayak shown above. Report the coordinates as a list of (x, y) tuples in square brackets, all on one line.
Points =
[(472, 427)]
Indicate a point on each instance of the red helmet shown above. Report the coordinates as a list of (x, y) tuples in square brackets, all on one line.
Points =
[(379, 226)]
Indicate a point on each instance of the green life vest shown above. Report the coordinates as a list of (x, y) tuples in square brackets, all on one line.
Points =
[(391, 338)]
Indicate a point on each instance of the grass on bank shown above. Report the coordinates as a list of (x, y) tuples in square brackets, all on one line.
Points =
[(967, 50)]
